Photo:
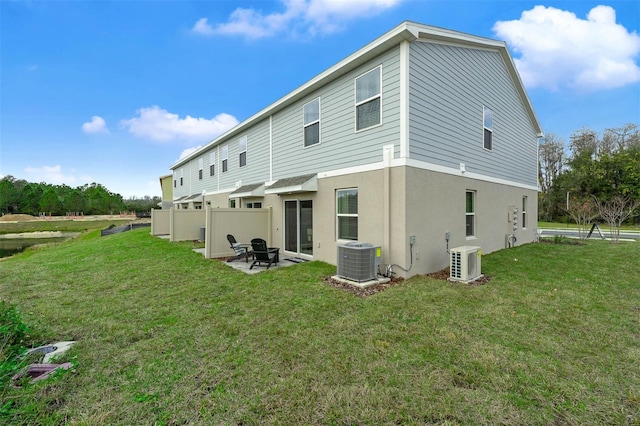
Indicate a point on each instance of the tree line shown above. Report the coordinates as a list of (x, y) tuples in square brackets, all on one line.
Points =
[(20, 196), (590, 175)]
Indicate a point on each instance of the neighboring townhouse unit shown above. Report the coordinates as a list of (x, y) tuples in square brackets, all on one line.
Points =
[(166, 184), (421, 141)]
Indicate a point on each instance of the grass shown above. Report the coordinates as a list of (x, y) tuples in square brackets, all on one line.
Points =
[(572, 225), (168, 337), (57, 225)]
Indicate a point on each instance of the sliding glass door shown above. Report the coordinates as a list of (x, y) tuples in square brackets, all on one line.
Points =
[(298, 226)]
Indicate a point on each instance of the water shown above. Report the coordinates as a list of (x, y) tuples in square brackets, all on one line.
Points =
[(10, 246)]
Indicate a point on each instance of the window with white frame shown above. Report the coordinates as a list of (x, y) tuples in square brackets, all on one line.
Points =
[(175, 179), (524, 211), (243, 151), (225, 157), (470, 218), (347, 214), (254, 205), (368, 99), (312, 122), (488, 128), (212, 164), (200, 167), (181, 176)]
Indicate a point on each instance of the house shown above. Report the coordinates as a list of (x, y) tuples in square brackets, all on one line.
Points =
[(166, 184), (421, 141)]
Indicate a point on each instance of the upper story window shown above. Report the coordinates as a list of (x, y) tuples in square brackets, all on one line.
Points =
[(312, 123), (488, 128), (225, 158), (212, 164), (200, 167), (470, 217), (243, 151), (347, 213), (368, 99), (181, 176)]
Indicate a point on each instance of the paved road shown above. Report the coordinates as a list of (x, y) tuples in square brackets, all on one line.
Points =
[(627, 235)]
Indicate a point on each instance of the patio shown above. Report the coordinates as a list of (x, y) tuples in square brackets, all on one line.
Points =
[(243, 266)]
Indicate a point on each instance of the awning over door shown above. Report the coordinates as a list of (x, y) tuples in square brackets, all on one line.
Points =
[(306, 183), (246, 191)]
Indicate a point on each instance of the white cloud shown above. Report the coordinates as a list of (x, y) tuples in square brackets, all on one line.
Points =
[(189, 151), (558, 49), (160, 125), (54, 175), (312, 16), (96, 125), (202, 27)]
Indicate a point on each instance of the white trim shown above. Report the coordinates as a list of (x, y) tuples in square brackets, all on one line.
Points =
[(356, 104), (224, 158), (246, 147), (271, 147), (399, 162), (339, 215), (223, 191), (484, 127), (404, 99), (319, 121)]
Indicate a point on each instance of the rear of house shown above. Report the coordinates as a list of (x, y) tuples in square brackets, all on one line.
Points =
[(421, 141)]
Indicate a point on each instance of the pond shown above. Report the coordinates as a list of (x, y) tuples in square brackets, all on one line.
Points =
[(11, 244)]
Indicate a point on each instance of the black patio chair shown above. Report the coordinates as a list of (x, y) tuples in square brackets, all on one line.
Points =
[(263, 254), (241, 250)]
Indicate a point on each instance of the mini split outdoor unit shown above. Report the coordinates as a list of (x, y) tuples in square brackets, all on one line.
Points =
[(465, 264), (359, 261)]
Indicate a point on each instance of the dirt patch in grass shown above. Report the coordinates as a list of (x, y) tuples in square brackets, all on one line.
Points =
[(444, 275), (364, 292), (17, 218)]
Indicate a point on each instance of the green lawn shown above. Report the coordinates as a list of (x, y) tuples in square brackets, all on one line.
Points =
[(168, 337), (59, 225)]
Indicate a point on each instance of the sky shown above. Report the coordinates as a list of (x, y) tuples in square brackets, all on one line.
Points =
[(115, 92)]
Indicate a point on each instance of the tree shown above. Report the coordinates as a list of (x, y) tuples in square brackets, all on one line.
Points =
[(30, 198), (50, 203), (9, 195), (551, 160), (582, 211), (620, 138), (615, 211)]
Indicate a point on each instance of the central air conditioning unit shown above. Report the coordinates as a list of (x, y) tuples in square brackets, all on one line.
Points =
[(465, 264), (359, 261)]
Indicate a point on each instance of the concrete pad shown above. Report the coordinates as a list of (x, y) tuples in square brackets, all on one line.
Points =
[(363, 284), (241, 265)]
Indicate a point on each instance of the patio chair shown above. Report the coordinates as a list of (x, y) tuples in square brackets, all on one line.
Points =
[(263, 254), (241, 250)]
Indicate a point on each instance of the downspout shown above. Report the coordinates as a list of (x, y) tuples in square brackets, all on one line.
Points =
[(387, 155)]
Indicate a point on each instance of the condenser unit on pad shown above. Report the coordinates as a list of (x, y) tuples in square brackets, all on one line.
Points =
[(465, 263), (359, 261)]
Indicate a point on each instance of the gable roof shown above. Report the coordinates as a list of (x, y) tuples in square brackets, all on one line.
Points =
[(407, 30)]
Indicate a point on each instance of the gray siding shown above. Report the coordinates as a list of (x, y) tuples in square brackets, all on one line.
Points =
[(340, 146), (448, 87)]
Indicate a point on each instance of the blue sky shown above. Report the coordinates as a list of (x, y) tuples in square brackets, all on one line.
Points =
[(115, 92)]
